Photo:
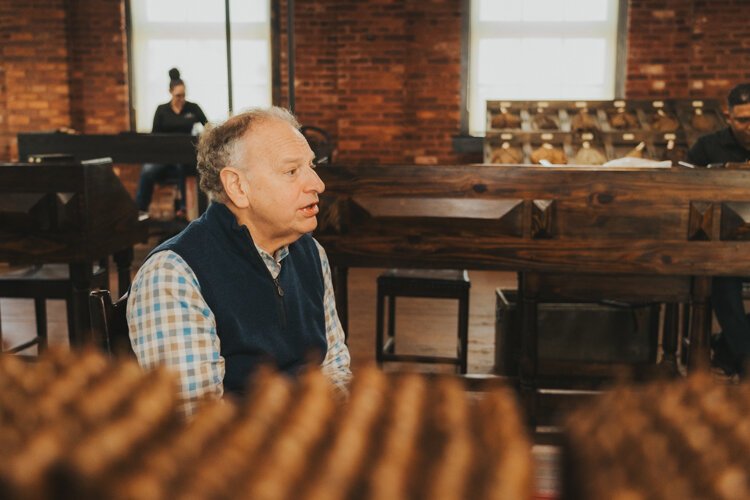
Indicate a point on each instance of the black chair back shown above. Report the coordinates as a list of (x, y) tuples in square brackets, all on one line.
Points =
[(320, 142), (109, 323)]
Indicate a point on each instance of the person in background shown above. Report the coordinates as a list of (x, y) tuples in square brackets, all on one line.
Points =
[(244, 284), (178, 116), (732, 346)]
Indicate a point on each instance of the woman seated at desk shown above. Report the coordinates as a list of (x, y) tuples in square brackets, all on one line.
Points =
[(177, 116)]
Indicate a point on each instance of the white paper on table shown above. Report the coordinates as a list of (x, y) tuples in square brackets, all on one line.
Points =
[(629, 161)]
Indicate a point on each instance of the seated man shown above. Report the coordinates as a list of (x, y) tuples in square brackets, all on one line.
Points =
[(244, 284), (732, 144)]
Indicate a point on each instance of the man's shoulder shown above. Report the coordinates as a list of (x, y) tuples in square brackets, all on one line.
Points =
[(161, 267), (309, 246), (194, 235), (307, 242), (720, 136)]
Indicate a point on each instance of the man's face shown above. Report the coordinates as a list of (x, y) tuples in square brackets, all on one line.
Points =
[(282, 184), (739, 120)]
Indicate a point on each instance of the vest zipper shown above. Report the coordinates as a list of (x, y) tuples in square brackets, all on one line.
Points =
[(279, 300), (281, 309), (279, 290)]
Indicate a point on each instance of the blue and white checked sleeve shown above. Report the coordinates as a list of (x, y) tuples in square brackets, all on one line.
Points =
[(337, 360), (170, 324)]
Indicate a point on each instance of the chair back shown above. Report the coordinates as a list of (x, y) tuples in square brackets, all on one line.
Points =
[(320, 142), (109, 323)]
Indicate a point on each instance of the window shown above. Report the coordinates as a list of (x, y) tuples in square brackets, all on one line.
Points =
[(191, 36), (540, 49)]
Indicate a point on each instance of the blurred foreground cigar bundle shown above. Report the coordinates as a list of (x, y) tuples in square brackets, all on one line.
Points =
[(687, 439), (83, 426)]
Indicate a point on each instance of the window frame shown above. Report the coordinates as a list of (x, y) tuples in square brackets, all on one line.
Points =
[(466, 68), (275, 57)]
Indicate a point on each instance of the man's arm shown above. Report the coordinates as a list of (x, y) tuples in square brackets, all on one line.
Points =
[(336, 363), (170, 324)]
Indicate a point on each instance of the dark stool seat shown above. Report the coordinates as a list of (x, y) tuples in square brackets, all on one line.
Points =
[(426, 283)]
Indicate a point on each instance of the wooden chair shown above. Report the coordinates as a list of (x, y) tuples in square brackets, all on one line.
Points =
[(320, 142), (42, 283), (109, 323), (63, 221)]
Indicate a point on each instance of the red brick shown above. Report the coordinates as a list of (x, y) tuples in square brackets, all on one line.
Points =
[(383, 77), (692, 41), (62, 63)]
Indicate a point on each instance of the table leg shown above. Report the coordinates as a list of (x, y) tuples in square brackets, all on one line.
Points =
[(339, 276), (669, 340), (528, 368), (123, 259), (81, 276), (700, 328)]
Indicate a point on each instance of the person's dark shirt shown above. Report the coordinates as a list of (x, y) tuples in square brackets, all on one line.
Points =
[(168, 122), (719, 147)]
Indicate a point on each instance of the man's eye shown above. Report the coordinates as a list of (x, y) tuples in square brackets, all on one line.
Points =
[(292, 171)]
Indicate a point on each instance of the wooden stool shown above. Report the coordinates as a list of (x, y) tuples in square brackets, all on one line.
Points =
[(440, 284)]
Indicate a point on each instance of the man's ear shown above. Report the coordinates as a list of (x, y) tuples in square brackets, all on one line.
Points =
[(235, 186)]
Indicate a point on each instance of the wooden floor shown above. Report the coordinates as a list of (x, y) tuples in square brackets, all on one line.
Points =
[(423, 326)]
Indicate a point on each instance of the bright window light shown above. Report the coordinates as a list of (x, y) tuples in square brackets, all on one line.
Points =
[(540, 49), (190, 35)]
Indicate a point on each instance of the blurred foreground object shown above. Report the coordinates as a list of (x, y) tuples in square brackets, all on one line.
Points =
[(686, 439), (77, 425)]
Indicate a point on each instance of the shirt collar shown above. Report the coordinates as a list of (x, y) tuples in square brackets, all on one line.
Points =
[(225, 215), (280, 254)]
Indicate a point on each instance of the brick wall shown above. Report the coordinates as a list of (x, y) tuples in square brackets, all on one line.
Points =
[(4, 41), (98, 66), (383, 76), (62, 64), (35, 68), (687, 48)]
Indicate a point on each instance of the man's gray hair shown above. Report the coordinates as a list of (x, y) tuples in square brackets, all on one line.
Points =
[(217, 147)]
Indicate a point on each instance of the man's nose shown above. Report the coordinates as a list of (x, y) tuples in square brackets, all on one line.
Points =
[(315, 183)]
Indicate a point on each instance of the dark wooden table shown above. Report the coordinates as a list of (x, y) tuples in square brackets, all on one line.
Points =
[(74, 213), (651, 234), (125, 147)]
